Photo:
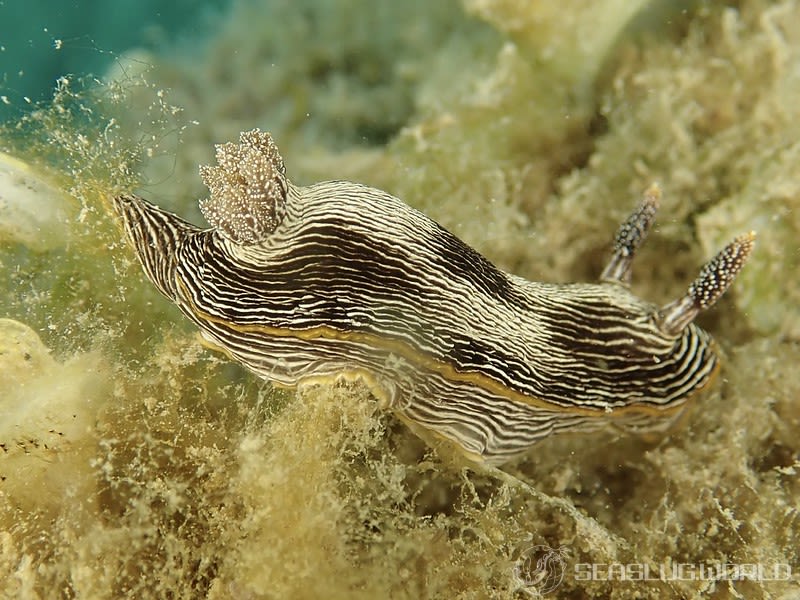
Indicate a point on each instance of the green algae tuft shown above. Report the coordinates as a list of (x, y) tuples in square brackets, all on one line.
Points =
[(136, 463)]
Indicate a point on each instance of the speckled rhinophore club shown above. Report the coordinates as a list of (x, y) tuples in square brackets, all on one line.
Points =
[(340, 280)]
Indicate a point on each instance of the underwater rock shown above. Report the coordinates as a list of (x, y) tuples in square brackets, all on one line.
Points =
[(47, 413), (33, 211)]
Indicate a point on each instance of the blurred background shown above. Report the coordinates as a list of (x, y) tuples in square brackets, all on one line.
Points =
[(41, 40)]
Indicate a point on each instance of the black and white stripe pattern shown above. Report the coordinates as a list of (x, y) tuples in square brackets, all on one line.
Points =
[(354, 282)]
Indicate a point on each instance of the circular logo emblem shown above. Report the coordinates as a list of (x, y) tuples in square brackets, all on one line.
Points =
[(540, 569)]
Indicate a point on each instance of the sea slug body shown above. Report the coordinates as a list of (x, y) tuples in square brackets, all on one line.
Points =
[(337, 279)]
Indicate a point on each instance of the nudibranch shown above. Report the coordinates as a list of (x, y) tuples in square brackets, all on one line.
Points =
[(337, 279)]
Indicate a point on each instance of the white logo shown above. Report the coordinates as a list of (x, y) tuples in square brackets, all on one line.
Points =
[(540, 569)]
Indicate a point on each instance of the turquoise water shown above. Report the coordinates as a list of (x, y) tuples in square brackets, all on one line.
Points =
[(42, 40)]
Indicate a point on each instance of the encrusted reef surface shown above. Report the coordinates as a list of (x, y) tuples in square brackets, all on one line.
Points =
[(134, 462)]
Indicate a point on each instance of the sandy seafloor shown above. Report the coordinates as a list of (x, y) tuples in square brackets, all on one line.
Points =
[(134, 462)]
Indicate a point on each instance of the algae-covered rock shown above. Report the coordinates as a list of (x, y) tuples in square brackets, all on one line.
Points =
[(769, 293), (33, 211), (181, 475), (47, 415)]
